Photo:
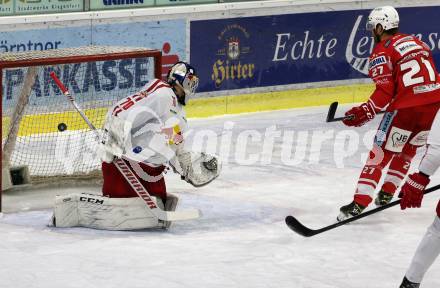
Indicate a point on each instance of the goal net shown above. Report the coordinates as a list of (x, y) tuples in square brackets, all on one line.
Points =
[(40, 128)]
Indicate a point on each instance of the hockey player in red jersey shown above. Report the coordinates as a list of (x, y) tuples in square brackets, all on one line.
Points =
[(408, 87), (412, 195)]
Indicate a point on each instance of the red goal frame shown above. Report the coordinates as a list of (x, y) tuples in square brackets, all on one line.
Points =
[(156, 54)]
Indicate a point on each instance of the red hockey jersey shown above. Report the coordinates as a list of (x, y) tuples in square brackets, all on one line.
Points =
[(403, 70)]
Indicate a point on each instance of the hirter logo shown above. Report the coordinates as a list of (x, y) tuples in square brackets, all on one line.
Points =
[(232, 63), (233, 48)]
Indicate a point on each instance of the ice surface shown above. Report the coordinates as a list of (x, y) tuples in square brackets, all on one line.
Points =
[(241, 240)]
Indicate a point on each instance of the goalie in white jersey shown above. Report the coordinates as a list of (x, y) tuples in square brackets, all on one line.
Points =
[(412, 195), (145, 129)]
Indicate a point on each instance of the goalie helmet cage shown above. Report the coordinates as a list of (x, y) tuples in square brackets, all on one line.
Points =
[(41, 132)]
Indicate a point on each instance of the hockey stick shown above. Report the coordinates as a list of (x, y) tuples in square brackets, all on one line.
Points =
[(332, 111), (128, 173), (299, 228)]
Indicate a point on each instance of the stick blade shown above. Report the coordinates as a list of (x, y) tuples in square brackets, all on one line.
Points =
[(332, 111), (180, 215), (299, 228)]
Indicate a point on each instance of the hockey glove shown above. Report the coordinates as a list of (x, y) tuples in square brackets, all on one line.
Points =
[(412, 191), (358, 116), (196, 168)]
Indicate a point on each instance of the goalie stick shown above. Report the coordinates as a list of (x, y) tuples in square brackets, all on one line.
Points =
[(128, 173), (332, 111), (299, 228)]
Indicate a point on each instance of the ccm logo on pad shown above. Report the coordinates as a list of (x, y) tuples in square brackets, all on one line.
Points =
[(91, 200)]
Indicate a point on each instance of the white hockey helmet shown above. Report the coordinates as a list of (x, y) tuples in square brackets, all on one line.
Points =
[(184, 75), (386, 16)]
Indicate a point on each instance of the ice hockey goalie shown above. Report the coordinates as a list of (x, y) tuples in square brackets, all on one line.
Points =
[(146, 130)]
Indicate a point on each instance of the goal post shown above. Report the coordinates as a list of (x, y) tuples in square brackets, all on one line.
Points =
[(43, 137)]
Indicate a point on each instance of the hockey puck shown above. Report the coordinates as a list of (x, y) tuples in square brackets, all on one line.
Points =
[(62, 127), (137, 149)]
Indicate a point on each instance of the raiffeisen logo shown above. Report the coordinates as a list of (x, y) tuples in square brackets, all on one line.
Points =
[(122, 2)]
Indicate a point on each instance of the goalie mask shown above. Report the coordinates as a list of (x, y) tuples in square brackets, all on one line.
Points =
[(184, 75)]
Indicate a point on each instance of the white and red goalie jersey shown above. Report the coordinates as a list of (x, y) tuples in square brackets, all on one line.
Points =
[(143, 126), (403, 70)]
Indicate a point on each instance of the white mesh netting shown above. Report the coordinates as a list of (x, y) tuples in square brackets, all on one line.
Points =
[(34, 111)]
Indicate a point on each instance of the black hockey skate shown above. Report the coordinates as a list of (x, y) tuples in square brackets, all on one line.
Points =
[(383, 198), (350, 210), (408, 284)]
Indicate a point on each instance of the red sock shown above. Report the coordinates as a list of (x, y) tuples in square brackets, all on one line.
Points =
[(369, 179), (398, 169)]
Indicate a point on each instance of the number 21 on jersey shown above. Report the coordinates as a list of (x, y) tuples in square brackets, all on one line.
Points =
[(412, 68)]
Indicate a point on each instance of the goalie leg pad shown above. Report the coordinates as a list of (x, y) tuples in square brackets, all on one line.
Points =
[(105, 213)]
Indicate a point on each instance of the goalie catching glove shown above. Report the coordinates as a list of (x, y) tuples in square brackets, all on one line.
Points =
[(196, 168)]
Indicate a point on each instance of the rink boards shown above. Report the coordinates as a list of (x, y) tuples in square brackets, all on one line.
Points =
[(250, 56), (206, 107)]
